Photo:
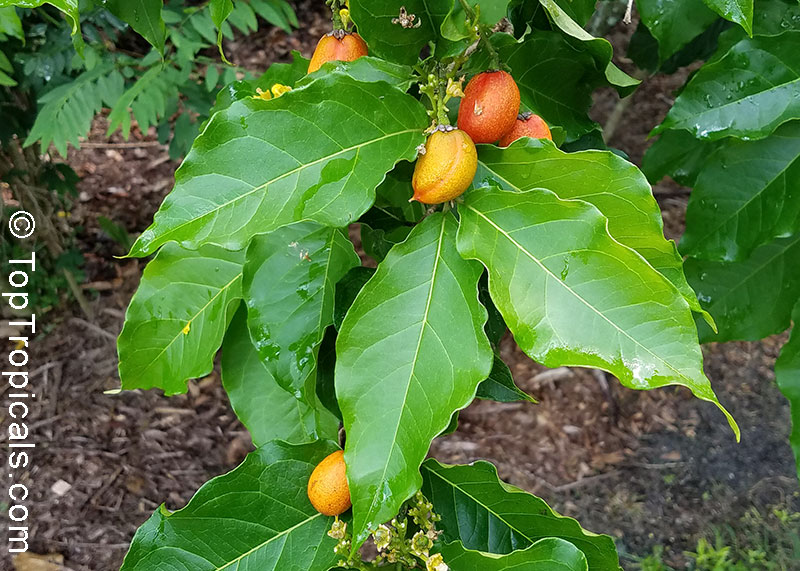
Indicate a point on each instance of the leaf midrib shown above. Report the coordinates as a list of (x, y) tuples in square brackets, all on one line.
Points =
[(576, 295)]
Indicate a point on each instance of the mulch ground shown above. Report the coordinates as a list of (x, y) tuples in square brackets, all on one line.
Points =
[(656, 467)]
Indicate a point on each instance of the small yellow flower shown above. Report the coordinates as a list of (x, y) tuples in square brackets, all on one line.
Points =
[(344, 14), (185, 330), (265, 95), (454, 88), (278, 89)]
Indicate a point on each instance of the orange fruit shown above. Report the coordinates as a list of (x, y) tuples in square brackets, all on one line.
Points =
[(350, 47), (527, 125), (489, 106), (327, 486), (447, 167)]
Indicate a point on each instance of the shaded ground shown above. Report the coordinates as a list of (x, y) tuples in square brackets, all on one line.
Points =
[(650, 468)]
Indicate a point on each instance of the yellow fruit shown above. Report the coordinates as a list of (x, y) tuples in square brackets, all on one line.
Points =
[(446, 169), (327, 486)]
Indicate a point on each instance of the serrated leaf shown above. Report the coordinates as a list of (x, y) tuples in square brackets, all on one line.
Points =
[(674, 23), (615, 186), (551, 554), (267, 410), (176, 319), (600, 48), (411, 351), (748, 93), (317, 153), (738, 11), (751, 299), (500, 385), (391, 41), (289, 283), (488, 515), (787, 375), (144, 16), (745, 195), (265, 522), (574, 296)]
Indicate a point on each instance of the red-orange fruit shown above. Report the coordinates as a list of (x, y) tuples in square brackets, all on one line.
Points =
[(527, 125), (327, 486), (489, 106), (329, 48), (446, 169)]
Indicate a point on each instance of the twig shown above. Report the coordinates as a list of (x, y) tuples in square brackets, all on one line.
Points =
[(91, 145), (628, 13), (94, 328)]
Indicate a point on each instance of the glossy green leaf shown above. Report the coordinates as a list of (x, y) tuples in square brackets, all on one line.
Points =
[(787, 375), (455, 26), (500, 385), (346, 291), (488, 515), (10, 24), (267, 410), (551, 554), (677, 154), (600, 48), (747, 193), (259, 165), (748, 93), (674, 23), (574, 296), (616, 187), (144, 16), (555, 79), (410, 352), (289, 283), (391, 41), (739, 11), (67, 7), (220, 12), (369, 70), (175, 321), (256, 517), (751, 299)]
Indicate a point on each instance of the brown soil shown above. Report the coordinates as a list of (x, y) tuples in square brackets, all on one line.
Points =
[(649, 468)]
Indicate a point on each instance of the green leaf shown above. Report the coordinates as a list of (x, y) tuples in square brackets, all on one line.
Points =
[(787, 375), (745, 195), (600, 48), (751, 299), (455, 25), (289, 283), (391, 41), (551, 554), (486, 514), (346, 291), (67, 111), (738, 11), (267, 410), (574, 296), (536, 61), (276, 12), (722, 98), (144, 16), (369, 70), (249, 172), (616, 187), (500, 385), (256, 517), (67, 7), (10, 24), (175, 321), (220, 10), (674, 23), (677, 154), (411, 351)]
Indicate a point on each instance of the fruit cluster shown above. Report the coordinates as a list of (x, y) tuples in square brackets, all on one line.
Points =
[(489, 112)]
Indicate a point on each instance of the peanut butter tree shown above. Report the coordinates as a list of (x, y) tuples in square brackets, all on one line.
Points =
[(562, 247)]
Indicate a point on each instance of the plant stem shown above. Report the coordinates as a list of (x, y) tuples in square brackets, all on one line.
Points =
[(335, 16)]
